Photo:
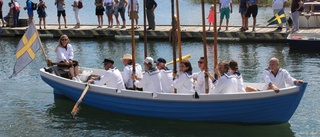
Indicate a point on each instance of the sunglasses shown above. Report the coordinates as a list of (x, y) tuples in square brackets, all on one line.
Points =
[(64, 39), (200, 62)]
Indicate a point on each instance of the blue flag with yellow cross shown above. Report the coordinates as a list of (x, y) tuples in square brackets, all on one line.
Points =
[(26, 50), (278, 18)]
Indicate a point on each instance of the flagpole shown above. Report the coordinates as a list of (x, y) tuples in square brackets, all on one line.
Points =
[(49, 62)]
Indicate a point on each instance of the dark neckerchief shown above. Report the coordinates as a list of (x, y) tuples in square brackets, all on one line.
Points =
[(275, 75), (153, 71), (65, 47)]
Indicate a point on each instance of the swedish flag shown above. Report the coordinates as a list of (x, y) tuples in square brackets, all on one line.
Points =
[(26, 49), (278, 18)]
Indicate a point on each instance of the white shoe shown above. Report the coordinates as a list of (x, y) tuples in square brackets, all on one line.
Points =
[(78, 79), (74, 79)]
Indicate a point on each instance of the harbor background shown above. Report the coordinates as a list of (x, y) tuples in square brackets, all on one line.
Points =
[(28, 107), (190, 13)]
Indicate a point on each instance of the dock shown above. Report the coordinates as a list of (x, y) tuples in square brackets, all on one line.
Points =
[(189, 32)]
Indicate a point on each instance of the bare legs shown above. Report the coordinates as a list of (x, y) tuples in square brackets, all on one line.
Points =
[(117, 20), (100, 21), (65, 22), (227, 24), (74, 71), (44, 22), (110, 20)]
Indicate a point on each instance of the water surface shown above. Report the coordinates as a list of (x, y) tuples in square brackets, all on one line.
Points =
[(28, 107)]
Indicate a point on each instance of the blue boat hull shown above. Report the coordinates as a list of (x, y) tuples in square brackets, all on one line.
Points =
[(277, 109)]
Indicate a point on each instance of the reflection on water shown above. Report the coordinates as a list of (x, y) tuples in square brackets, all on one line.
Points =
[(28, 107)]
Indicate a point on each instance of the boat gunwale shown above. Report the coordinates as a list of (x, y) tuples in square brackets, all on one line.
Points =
[(147, 95)]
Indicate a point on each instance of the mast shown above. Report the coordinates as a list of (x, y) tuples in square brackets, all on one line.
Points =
[(215, 34), (179, 31), (204, 39), (133, 46), (145, 29), (173, 38)]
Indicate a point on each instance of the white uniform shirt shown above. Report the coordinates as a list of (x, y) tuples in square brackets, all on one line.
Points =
[(111, 78), (278, 4), (150, 81), (166, 81), (135, 5), (229, 83), (200, 85), (183, 83), (280, 80), (127, 72), (65, 54), (225, 3)]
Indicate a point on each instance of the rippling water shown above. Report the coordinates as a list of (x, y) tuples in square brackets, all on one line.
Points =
[(28, 107)]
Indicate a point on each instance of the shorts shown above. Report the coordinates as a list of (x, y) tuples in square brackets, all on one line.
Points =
[(225, 12), (252, 10), (243, 11), (135, 13), (42, 14), (63, 13), (30, 14), (115, 11), (99, 10), (1, 17), (109, 10)]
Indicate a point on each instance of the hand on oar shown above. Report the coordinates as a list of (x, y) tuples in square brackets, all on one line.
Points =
[(76, 106)]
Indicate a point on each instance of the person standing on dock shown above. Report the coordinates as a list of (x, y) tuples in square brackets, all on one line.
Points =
[(29, 9), (252, 8), (1, 16), (122, 9), (76, 10), (242, 11), (295, 6), (211, 16), (61, 11), (109, 11), (135, 11), (151, 6), (99, 12), (15, 6), (42, 13), (225, 10), (277, 6), (116, 12)]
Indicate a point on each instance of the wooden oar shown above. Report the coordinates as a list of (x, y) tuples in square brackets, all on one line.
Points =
[(133, 42), (173, 40), (205, 47), (177, 60), (179, 31), (76, 106), (215, 46)]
